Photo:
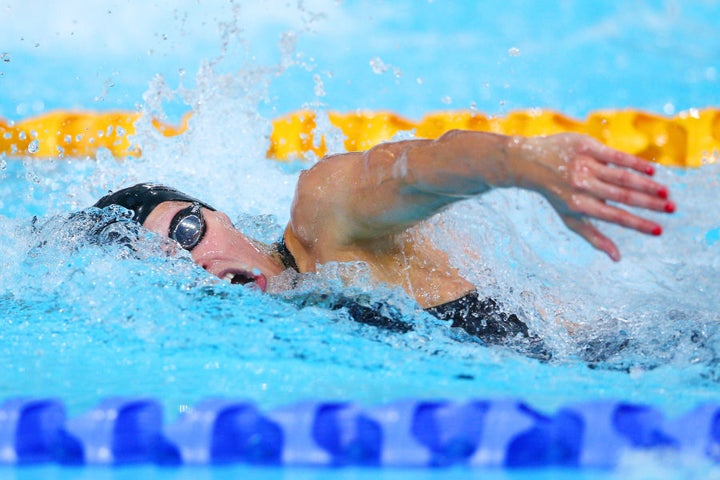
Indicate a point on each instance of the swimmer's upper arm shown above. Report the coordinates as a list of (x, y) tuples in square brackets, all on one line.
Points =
[(322, 209), (355, 197)]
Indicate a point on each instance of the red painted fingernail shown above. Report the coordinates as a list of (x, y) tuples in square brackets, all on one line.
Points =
[(650, 170), (663, 193), (669, 207), (657, 231)]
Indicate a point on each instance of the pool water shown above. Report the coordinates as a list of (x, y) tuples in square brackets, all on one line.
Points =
[(82, 322)]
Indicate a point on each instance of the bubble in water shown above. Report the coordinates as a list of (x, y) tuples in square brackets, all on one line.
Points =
[(264, 227), (33, 146), (33, 177), (319, 87), (447, 99), (514, 52), (378, 66), (5, 57)]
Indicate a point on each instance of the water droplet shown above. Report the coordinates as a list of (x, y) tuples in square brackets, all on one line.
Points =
[(514, 52), (33, 146)]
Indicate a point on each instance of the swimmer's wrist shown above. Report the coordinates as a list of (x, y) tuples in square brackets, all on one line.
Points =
[(519, 161)]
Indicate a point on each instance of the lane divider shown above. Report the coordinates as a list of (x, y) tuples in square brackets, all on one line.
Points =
[(412, 433), (688, 139)]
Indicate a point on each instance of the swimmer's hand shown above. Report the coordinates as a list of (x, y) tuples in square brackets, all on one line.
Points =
[(579, 175)]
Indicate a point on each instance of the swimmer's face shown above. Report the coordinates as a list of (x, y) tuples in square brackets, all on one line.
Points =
[(214, 243)]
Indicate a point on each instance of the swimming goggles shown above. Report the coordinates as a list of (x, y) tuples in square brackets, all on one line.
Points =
[(188, 227)]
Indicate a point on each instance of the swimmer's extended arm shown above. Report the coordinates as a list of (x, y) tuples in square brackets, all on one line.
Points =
[(369, 196)]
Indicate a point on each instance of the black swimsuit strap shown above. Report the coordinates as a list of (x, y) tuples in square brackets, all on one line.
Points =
[(286, 257)]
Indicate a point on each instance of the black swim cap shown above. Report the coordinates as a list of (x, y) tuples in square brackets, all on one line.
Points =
[(143, 198)]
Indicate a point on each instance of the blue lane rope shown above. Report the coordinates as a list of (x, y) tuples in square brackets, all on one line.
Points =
[(413, 433)]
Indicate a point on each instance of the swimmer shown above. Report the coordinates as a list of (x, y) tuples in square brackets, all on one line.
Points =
[(359, 206)]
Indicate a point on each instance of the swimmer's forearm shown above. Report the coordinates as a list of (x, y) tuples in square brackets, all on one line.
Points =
[(395, 185), (577, 174), (463, 163)]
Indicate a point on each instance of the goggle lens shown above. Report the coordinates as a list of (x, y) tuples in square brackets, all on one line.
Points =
[(188, 227)]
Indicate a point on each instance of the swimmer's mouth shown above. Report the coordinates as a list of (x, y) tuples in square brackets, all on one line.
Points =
[(241, 277)]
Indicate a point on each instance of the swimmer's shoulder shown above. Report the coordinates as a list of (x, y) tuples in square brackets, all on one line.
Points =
[(321, 214)]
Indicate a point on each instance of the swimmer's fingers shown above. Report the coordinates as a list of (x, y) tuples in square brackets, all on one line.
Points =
[(609, 155), (582, 206), (624, 186), (589, 232)]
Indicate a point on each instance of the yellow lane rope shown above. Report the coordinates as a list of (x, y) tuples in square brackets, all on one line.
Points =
[(688, 139)]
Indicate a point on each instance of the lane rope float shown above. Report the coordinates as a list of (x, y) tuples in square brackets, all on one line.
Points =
[(689, 139), (412, 433)]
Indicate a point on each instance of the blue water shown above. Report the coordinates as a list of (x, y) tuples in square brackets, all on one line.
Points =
[(81, 322)]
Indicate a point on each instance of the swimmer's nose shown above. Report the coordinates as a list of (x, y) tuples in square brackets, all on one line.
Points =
[(204, 264)]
